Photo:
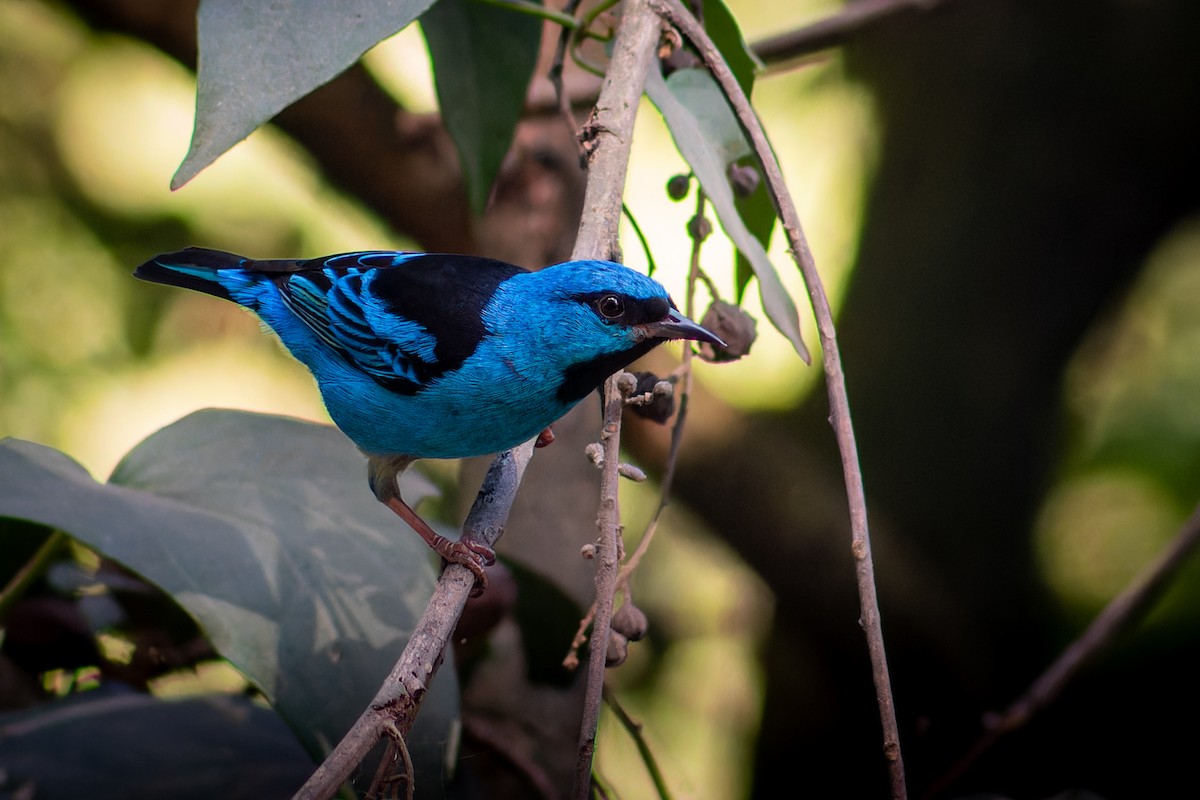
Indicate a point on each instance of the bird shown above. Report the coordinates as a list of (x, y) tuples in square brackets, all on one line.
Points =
[(437, 355)]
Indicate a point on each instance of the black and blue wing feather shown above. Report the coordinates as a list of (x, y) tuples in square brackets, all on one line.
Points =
[(405, 319)]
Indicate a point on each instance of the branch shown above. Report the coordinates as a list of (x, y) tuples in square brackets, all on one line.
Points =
[(1121, 613), (608, 136), (860, 544), (396, 704), (834, 30), (635, 732)]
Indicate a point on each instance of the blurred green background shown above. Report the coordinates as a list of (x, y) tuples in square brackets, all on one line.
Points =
[(1001, 197)]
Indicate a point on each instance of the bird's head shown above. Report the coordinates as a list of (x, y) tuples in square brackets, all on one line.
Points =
[(595, 317), (616, 304)]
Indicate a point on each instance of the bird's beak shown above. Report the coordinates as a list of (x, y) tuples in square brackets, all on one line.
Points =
[(677, 326)]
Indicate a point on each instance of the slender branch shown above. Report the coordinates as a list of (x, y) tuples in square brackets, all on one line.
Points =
[(500, 741), (635, 732), (584, 31), (843, 427), (641, 237), (1120, 615), (563, 18), (682, 395), (834, 30), (386, 777), (664, 498), (563, 100), (609, 133), (396, 704)]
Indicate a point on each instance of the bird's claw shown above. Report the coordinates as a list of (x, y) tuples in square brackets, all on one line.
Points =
[(472, 554), (475, 556)]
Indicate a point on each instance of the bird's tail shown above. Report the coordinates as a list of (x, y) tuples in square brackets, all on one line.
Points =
[(214, 272)]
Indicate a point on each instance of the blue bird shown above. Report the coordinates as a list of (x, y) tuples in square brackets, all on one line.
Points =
[(422, 355)]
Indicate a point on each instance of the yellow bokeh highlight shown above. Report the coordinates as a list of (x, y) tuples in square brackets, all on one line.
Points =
[(115, 648), (401, 65), (208, 677), (1131, 391), (123, 123), (1098, 531), (224, 374), (1138, 370), (806, 112)]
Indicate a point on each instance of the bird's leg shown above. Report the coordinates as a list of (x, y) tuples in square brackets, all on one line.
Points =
[(545, 438), (383, 473), (471, 554)]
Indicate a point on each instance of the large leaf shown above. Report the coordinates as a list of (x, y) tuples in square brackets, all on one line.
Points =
[(483, 59), (256, 58), (264, 530), (126, 746), (709, 137)]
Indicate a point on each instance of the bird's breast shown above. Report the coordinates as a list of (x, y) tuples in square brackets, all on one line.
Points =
[(475, 410)]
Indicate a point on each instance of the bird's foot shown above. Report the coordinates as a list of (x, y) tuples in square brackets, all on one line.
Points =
[(475, 556), (545, 438)]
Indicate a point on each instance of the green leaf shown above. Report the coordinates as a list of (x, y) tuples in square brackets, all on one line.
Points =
[(257, 58), (264, 530), (709, 137), (126, 745), (722, 28), (756, 210), (483, 59)]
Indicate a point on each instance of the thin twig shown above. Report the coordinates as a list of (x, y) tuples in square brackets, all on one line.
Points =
[(635, 728), (635, 732), (1119, 616), (641, 237), (834, 30), (571, 661), (843, 427), (564, 18), (565, 109), (385, 778), (682, 395), (398, 700), (612, 129), (584, 31), (502, 744)]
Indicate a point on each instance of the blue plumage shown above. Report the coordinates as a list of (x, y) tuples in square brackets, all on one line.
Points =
[(423, 355)]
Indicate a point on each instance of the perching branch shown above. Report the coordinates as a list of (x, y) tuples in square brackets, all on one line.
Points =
[(843, 427), (396, 704), (607, 136), (682, 395)]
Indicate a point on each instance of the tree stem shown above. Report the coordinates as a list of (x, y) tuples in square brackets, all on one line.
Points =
[(608, 136), (860, 543)]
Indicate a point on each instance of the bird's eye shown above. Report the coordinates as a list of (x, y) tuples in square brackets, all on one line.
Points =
[(610, 306)]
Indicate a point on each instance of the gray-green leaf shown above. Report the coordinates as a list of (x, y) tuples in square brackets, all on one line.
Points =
[(264, 530), (257, 58), (709, 137), (721, 26), (483, 59)]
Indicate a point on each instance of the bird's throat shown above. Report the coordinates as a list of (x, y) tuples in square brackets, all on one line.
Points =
[(580, 380)]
